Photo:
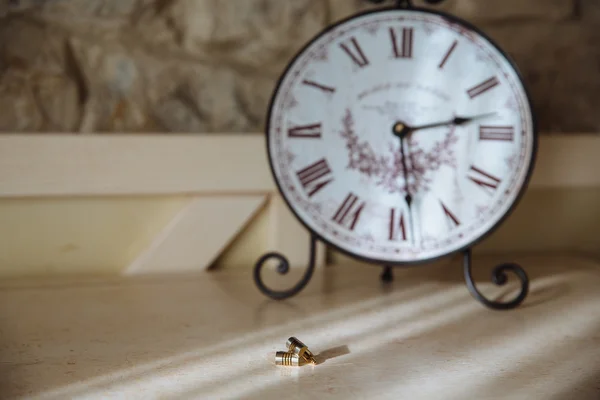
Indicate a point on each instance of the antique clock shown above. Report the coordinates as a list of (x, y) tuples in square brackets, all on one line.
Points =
[(398, 136)]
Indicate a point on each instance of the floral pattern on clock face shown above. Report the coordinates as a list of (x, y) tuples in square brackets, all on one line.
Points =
[(339, 164)]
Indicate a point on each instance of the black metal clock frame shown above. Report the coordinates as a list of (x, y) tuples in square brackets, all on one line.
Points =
[(499, 273)]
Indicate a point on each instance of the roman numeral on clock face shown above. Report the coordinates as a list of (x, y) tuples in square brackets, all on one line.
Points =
[(349, 212), (454, 222), (506, 133), (355, 52), (448, 54), (484, 179), (403, 48), (312, 131), (319, 86), (315, 177), (397, 225), (483, 87)]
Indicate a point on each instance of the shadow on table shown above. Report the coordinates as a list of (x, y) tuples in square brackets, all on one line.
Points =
[(331, 353)]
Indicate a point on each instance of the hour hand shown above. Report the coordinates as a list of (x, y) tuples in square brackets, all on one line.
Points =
[(455, 121)]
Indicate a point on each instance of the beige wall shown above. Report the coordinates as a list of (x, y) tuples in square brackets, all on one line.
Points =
[(210, 65)]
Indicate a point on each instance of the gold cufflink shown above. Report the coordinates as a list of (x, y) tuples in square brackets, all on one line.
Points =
[(297, 347), (297, 355), (288, 359)]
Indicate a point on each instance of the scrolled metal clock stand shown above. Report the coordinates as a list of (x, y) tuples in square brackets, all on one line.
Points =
[(498, 275)]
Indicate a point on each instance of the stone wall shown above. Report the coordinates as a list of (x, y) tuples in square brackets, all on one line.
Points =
[(210, 65)]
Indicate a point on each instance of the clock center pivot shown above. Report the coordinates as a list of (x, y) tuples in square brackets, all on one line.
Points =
[(400, 129)]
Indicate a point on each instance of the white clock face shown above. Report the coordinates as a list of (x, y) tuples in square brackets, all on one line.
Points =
[(339, 166)]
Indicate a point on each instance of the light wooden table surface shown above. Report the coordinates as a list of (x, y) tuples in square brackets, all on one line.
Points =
[(213, 336)]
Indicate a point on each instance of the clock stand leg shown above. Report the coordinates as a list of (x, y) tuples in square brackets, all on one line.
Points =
[(498, 278), (283, 268), (387, 275)]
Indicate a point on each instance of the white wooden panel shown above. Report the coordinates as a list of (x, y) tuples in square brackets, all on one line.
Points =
[(51, 165), (289, 236), (79, 235), (273, 229), (197, 234)]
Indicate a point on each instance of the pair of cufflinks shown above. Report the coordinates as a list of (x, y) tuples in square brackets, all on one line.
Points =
[(297, 355)]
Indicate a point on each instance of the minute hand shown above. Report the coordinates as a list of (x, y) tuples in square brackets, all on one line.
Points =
[(455, 121)]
